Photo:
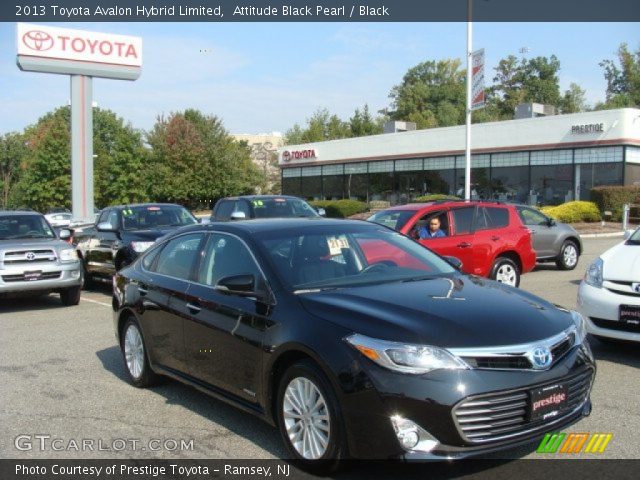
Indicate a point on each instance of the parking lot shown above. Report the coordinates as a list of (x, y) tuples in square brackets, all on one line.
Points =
[(63, 379)]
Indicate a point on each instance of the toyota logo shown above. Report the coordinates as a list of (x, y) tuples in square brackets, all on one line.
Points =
[(286, 155), (38, 40), (30, 256), (541, 358)]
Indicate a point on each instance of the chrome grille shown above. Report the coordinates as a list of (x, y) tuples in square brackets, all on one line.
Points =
[(28, 257), (620, 287), (22, 278), (497, 416)]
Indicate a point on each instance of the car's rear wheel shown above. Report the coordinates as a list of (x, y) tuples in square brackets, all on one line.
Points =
[(309, 418), (135, 355), (568, 258), (70, 296), (505, 270)]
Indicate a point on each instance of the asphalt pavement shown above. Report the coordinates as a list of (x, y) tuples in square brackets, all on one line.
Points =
[(64, 393)]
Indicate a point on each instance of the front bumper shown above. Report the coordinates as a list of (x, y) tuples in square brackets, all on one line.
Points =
[(55, 276), (430, 401), (602, 306)]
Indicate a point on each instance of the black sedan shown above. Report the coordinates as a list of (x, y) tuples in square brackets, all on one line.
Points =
[(352, 339)]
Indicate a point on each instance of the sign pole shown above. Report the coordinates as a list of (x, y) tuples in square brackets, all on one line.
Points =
[(467, 166), (82, 147)]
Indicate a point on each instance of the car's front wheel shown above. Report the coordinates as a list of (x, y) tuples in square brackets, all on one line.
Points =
[(70, 296), (135, 355), (309, 417), (568, 258), (505, 270)]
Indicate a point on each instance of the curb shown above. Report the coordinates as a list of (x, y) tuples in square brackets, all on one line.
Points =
[(601, 235)]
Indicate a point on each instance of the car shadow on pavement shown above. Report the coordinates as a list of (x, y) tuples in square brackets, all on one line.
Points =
[(30, 303), (625, 353), (211, 409)]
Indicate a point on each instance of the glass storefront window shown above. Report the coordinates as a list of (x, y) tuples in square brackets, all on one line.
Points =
[(440, 182), (551, 184), (355, 176), (510, 184), (597, 174), (333, 187), (291, 186), (410, 185), (381, 187)]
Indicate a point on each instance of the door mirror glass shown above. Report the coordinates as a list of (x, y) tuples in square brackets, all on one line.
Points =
[(322, 212), (238, 216), (64, 234)]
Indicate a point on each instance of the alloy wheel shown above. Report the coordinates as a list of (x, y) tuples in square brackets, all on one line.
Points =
[(506, 274), (570, 255), (134, 351)]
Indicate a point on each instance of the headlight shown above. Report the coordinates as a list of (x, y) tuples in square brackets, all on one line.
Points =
[(68, 255), (581, 326), (405, 358), (140, 247), (593, 276)]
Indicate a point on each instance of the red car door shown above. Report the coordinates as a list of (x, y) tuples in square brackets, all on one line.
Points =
[(489, 236)]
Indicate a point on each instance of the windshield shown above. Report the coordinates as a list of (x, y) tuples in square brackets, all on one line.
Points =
[(24, 226), (634, 239), (348, 256), (156, 216), (282, 207), (395, 219)]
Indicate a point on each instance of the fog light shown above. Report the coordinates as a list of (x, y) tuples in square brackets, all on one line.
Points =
[(75, 273), (411, 436)]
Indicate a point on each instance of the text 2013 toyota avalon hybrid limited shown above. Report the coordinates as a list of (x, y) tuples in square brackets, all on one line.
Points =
[(353, 339)]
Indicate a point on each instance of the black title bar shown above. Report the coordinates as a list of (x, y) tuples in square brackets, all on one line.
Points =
[(320, 11)]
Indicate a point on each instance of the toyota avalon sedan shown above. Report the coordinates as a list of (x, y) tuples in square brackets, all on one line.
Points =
[(352, 339)]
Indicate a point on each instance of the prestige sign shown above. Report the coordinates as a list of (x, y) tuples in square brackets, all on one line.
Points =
[(588, 128), (66, 44)]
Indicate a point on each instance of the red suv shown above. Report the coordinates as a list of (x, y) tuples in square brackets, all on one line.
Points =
[(487, 237)]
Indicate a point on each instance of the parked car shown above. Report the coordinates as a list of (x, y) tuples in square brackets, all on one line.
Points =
[(352, 339), (34, 260), (487, 237), (59, 219), (609, 294), (553, 241), (122, 232), (262, 206)]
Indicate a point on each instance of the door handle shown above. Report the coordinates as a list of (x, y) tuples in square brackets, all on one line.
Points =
[(495, 238), (463, 245), (193, 308)]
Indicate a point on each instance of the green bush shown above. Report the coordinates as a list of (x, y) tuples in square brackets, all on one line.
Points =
[(340, 208), (613, 198), (434, 197), (572, 212)]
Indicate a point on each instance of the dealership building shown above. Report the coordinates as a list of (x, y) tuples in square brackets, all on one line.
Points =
[(540, 161)]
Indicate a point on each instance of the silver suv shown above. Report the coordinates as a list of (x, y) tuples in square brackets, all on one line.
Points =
[(34, 260)]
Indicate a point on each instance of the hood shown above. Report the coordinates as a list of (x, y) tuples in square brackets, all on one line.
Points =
[(622, 262), (460, 311), (25, 243)]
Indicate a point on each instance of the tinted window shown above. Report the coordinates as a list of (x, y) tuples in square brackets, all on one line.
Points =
[(463, 220), (113, 219), (529, 216), (103, 216), (496, 217), (243, 206), (281, 207), (395, 219), (24, 226), (226, 255), (224, 210), (178, 255), (156, 216)]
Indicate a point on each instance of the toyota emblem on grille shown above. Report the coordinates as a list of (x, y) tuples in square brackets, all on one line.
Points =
[(38, 40), (30, 256), (541, 357)]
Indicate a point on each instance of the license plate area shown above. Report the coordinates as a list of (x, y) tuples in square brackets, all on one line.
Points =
[(548, 401), (32, 276), (629, 314)]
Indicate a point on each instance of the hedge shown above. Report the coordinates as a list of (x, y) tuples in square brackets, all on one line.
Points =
[(572, 212), (613, 198), (340, 208), (434, 197)]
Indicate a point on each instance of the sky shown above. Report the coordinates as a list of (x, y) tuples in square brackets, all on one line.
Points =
[(266, 77)]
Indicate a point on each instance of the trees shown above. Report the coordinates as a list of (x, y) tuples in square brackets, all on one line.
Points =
[(623, 79), (432, 94), (573, 100), (194, 160), (12, 153)]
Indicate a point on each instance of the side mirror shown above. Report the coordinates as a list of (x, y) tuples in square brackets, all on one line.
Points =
[(241, 285), (322, 212), (627, 234), (552, 222), (454, 262), (238, 216), (105, 227), (64, 234)]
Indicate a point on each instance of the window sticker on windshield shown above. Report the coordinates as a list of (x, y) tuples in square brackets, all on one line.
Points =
[(336, 244), (258, 203)]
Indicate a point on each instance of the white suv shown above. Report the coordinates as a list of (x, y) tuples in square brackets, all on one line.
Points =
[(34, 260)]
